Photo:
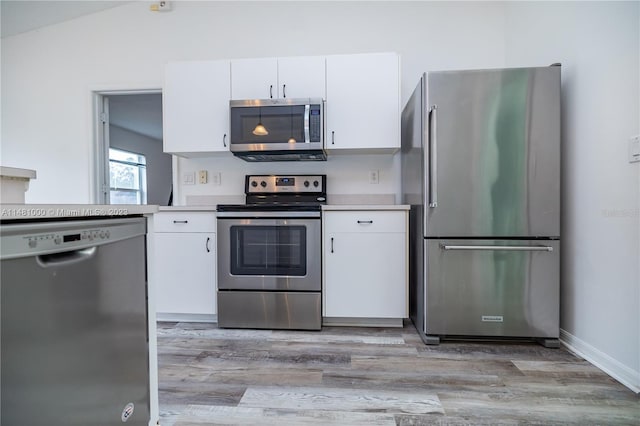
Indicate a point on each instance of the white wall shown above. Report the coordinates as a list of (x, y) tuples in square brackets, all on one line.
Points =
[(598, 45), (48, 74)]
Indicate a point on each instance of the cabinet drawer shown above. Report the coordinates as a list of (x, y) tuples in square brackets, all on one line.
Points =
[(184, 222), (365, 221)]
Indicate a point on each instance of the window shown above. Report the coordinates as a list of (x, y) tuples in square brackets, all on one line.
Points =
[(128, 177)]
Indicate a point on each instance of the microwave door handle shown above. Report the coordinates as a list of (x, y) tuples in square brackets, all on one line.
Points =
[(307, 108)]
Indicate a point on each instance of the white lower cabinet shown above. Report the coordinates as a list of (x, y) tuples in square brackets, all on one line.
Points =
[(365, 264), (185, 265)]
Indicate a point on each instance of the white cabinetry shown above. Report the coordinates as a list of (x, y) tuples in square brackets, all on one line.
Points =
[(185, 265), (266, 78), (365, 264), (195, 104), (363, 102)]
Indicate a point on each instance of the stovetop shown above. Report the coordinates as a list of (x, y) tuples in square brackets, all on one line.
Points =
[(269, 207), (281, 193)]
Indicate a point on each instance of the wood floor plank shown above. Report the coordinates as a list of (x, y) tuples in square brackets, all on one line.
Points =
[(338, 399), (217, 415), (463, 366)]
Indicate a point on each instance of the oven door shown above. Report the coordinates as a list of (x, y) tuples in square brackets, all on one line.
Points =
[(269, 254)]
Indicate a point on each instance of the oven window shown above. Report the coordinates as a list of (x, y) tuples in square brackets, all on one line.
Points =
[(269, 250)]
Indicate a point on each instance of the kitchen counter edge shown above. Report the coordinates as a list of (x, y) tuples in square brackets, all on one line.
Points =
[(60, 211), (338, 207)]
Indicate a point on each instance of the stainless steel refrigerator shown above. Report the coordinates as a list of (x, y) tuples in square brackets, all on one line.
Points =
[(481, 171)]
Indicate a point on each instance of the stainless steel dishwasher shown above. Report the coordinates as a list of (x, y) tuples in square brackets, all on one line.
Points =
[(74, 323)]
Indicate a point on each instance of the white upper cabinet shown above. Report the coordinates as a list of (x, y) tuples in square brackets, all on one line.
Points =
[(363, 102), (301, 77), (195, 104), (270, 78), (254, 78)]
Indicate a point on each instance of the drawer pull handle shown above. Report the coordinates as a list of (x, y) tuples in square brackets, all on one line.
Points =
[(180, 221), (493, 248), (365, 221)]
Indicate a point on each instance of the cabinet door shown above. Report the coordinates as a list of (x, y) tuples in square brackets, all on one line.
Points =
[(365, 275), (301, 77), (363, 102), (186, 272), (254, 78), (195, 105)]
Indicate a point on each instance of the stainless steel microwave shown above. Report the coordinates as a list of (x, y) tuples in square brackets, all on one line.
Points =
[(278, 129)]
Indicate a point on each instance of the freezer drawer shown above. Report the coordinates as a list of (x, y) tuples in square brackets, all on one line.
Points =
[(501, 288)]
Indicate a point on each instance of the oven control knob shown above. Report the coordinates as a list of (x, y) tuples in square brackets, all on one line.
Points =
[(57, 239), (32, 243), (263, 184), (316, 183), (254, 183), (306, 183)]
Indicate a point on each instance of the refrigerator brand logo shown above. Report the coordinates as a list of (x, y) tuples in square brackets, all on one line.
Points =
[(492, 318)]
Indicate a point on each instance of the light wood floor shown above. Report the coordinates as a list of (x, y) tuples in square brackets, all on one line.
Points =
[(376, 376)]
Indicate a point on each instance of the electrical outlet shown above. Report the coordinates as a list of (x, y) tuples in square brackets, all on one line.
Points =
[(373, 177), (202, 176), (189, 178), (216, 178)]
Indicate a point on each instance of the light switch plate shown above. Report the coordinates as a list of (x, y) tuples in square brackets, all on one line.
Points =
[(189, 178), (202, 176), (634, 149)]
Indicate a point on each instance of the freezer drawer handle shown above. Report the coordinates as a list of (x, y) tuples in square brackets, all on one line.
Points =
[(507, 248)]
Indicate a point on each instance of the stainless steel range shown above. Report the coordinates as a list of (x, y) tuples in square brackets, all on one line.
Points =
[(269, 254)]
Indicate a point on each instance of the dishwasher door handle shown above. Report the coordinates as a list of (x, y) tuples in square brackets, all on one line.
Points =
[(65, 258)]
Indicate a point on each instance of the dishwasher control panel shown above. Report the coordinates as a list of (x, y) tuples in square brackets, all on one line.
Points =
[(52, 240), (53, 237)]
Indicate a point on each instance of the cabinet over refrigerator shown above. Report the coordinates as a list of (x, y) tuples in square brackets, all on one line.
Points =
[(481, 171)]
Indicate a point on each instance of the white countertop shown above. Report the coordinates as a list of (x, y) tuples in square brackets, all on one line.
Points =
[(187, 208), (327, 207), (59, 211), (335, 207), (17, 173)]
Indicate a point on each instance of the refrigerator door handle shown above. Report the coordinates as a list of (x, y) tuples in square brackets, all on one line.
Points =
[(433, 156), (506, 248)]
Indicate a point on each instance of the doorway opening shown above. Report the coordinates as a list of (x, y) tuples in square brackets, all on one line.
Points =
[(131, 167)]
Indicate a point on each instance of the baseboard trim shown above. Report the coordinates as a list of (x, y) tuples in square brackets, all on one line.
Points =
[(362, 322), (171, 317), (604, 362)]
